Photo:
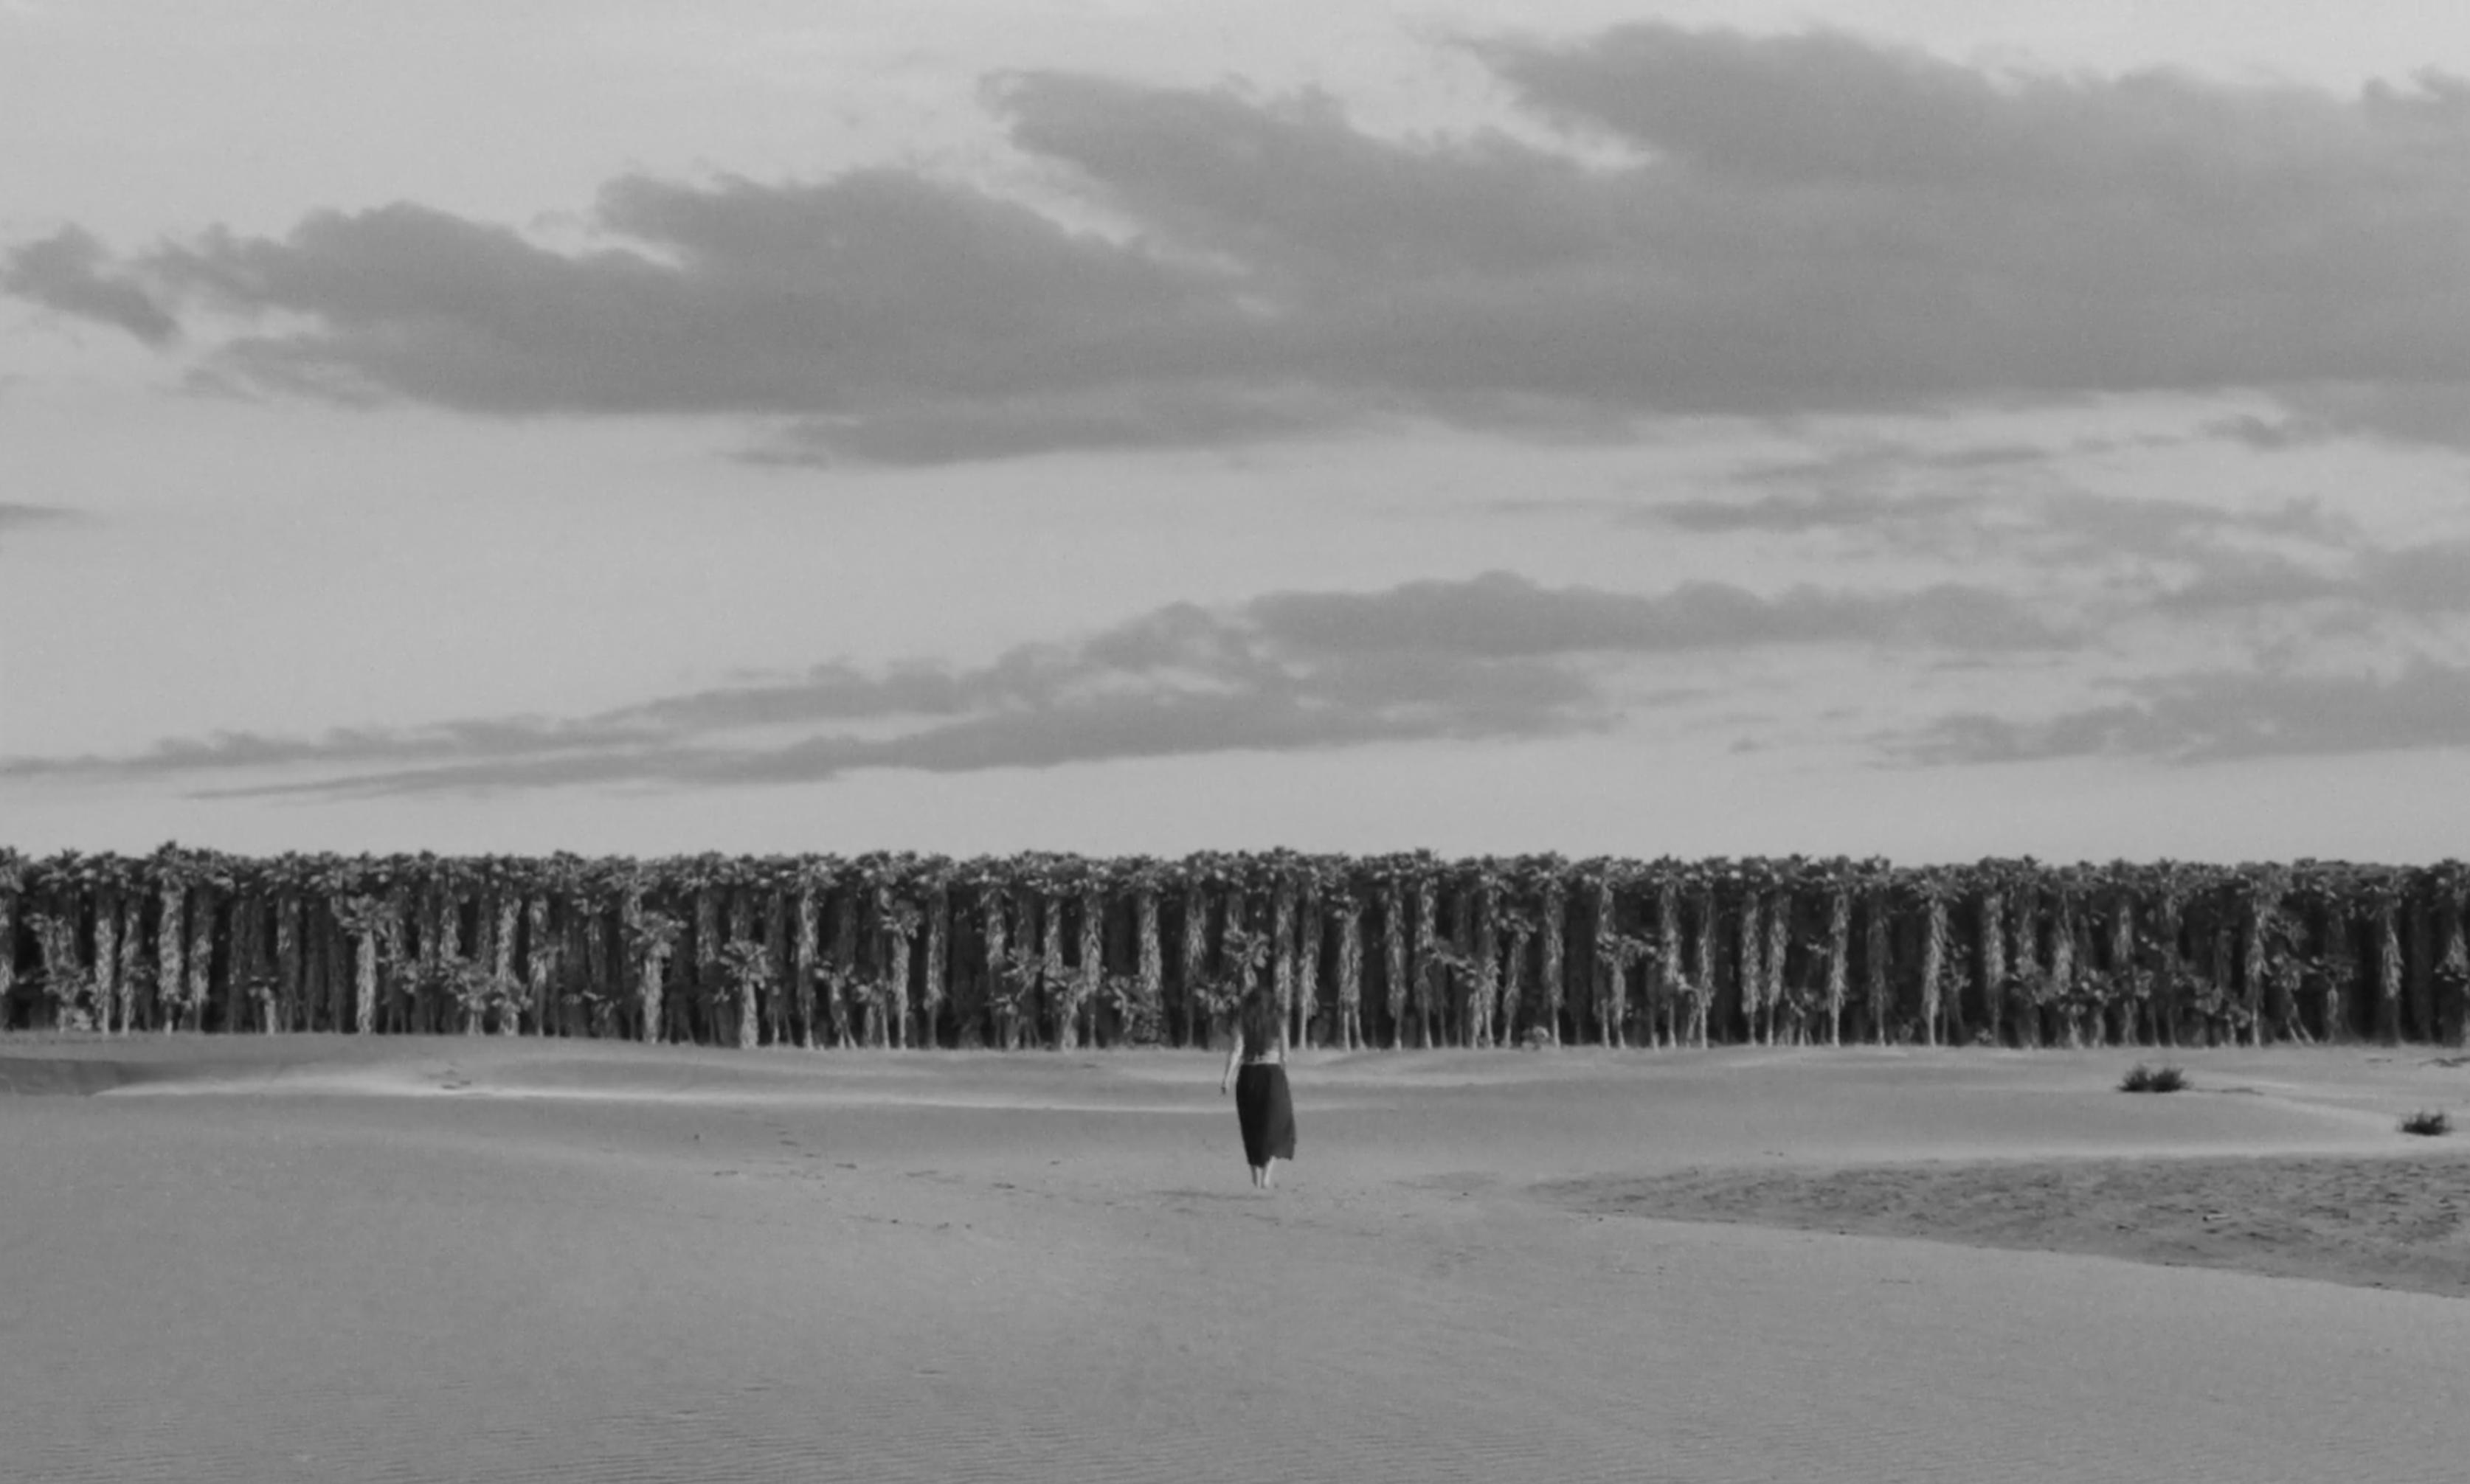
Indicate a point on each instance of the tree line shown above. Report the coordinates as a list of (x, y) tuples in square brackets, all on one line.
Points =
[(1401, 950)]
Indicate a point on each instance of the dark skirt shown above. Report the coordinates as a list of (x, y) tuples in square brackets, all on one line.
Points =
[(1267, 1114)]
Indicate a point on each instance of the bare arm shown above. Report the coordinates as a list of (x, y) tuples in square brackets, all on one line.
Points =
[(1234, 1053)]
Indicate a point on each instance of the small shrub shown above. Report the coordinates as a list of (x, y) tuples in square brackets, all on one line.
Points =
[(2150, 1079), (2428, 1122)]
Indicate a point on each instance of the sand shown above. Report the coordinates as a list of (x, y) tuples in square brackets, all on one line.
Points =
[(306, 1258)]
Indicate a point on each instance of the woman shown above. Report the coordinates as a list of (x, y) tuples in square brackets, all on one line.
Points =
[(1261, 1104)]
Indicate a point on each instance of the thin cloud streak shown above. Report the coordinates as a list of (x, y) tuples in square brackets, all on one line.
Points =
[(1488, 658), (2218, 715)]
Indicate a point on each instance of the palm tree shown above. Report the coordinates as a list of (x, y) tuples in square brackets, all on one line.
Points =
[(2384, 897), (1349, 1030), (109, 1006), (1751, 949), (2451, 975), (1483, 991), (1839, 949), (1282, 954), (67, 983), (365, 920), (936, 882), (1312, 877), (1393, 950), (1426, 969), (1930, 890), (1784, 1019), (12, 882), (1552, 926), (1149, 953)]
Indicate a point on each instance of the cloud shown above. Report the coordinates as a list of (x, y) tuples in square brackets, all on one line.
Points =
[(2423, 580), (63, 272), (1801, 223), (20, 517), (2214, 715), (2432, 413), (1499, 615), (1491, 657)]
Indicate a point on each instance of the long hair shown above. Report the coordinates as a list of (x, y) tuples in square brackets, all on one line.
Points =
[(1256, 1016)]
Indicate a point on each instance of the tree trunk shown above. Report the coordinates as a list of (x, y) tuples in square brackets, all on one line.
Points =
[(1551, 928), (1484, 990), (8, 951), (2452, 1011), (539, 982), (1933, 965), (1513, 982), (1195, 965), (1092, 968), (844, 964), (505, 912), (1779, 909), (1611, 985), (1669, 967), (2339, 969), (896, 1016), (1750, 944), (1393, 927), (107, 960), (939, 954), (1421, 973), (365, 981), (1151, 959), (2422, 966), (198, 962), (171, 954), (2062, 969), (1839, 947), (241, 975), (707, 985), (1282, 955), (805, 964), (1990, 939), (746, 1030), (990, 907), (1876, 944), (484, 955), (1350, 974), (2123, 967), (2388, 970), (1308, 939), (2024, 961), (1049, 967)]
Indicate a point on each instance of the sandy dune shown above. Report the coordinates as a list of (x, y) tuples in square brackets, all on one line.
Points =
[(309, 1259)]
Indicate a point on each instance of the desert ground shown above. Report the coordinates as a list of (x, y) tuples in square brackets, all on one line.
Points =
[(314, 1257)]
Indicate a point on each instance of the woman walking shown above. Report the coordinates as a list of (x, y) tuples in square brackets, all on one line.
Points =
[(1262, 1104)]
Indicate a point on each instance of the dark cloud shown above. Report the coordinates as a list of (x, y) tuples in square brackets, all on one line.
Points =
[(1799, 512), (1494, 656), (20, 517), (1802, 224), (64, 272), (2435, 412), (2225, 714), (2425, 580), (1501, 616)]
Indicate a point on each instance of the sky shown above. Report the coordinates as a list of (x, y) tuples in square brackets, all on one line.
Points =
[(1926, 428)]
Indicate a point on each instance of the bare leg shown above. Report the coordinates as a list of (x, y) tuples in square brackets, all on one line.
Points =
[(1256, 1177), (1269, 1174)]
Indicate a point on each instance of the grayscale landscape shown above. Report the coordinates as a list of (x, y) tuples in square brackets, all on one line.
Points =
[(677, 678)]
